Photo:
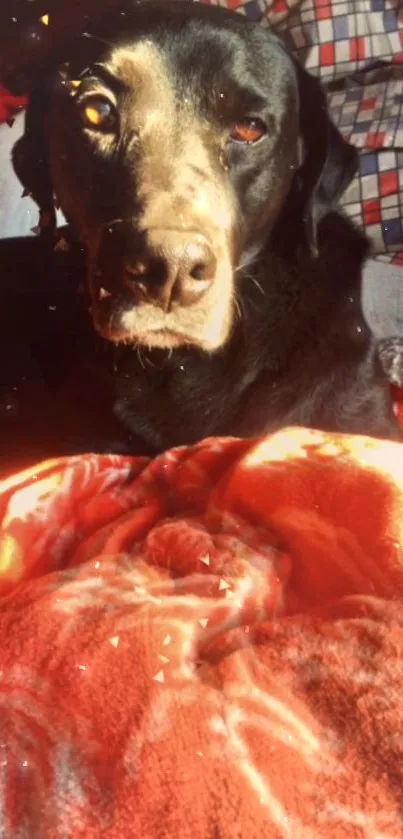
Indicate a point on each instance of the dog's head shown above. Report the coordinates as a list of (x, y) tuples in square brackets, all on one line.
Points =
[(172, 139)]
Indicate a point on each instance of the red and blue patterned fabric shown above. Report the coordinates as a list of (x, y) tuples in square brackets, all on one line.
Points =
[(356, 48)]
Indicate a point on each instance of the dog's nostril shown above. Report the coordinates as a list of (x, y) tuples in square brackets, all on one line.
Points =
[(197, 261), (137, 285), (137, 270), (198, 272)]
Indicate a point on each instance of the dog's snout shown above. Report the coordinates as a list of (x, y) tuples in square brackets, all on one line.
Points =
[(174, 266)]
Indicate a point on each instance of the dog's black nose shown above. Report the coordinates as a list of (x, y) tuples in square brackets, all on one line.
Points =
[(174, 266)]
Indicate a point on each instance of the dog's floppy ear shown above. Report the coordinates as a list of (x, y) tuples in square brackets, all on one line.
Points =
[(328, 162), (30, 160), (30, 155)]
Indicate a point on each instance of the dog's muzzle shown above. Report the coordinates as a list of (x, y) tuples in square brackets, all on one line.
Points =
[(165, 267)]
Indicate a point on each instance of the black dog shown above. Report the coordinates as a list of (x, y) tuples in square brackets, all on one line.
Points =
[(196, 162)]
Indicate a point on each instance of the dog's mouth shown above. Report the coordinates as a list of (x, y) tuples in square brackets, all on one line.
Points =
[(119, 326), (122, 316), (121, 319)]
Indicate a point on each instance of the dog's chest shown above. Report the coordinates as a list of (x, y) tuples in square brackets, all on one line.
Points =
[(173, 407)]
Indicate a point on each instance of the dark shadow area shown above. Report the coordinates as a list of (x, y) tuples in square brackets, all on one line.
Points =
[(48, 352)]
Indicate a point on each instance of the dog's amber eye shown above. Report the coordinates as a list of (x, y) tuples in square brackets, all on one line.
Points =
[(248, 131), (98, 113)]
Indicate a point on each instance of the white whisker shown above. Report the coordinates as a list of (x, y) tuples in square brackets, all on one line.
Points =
[(257, 284)]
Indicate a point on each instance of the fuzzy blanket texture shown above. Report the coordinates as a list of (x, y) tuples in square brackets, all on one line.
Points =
[(205, 646)]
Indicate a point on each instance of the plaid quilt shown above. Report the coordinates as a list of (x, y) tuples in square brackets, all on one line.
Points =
[(356, 48)]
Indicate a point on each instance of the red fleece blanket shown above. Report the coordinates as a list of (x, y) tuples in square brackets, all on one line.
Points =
[(206, 646)]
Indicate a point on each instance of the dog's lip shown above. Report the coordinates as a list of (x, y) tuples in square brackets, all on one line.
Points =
[(101, 310), (166, 338), (172, 335), (104, 301)]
